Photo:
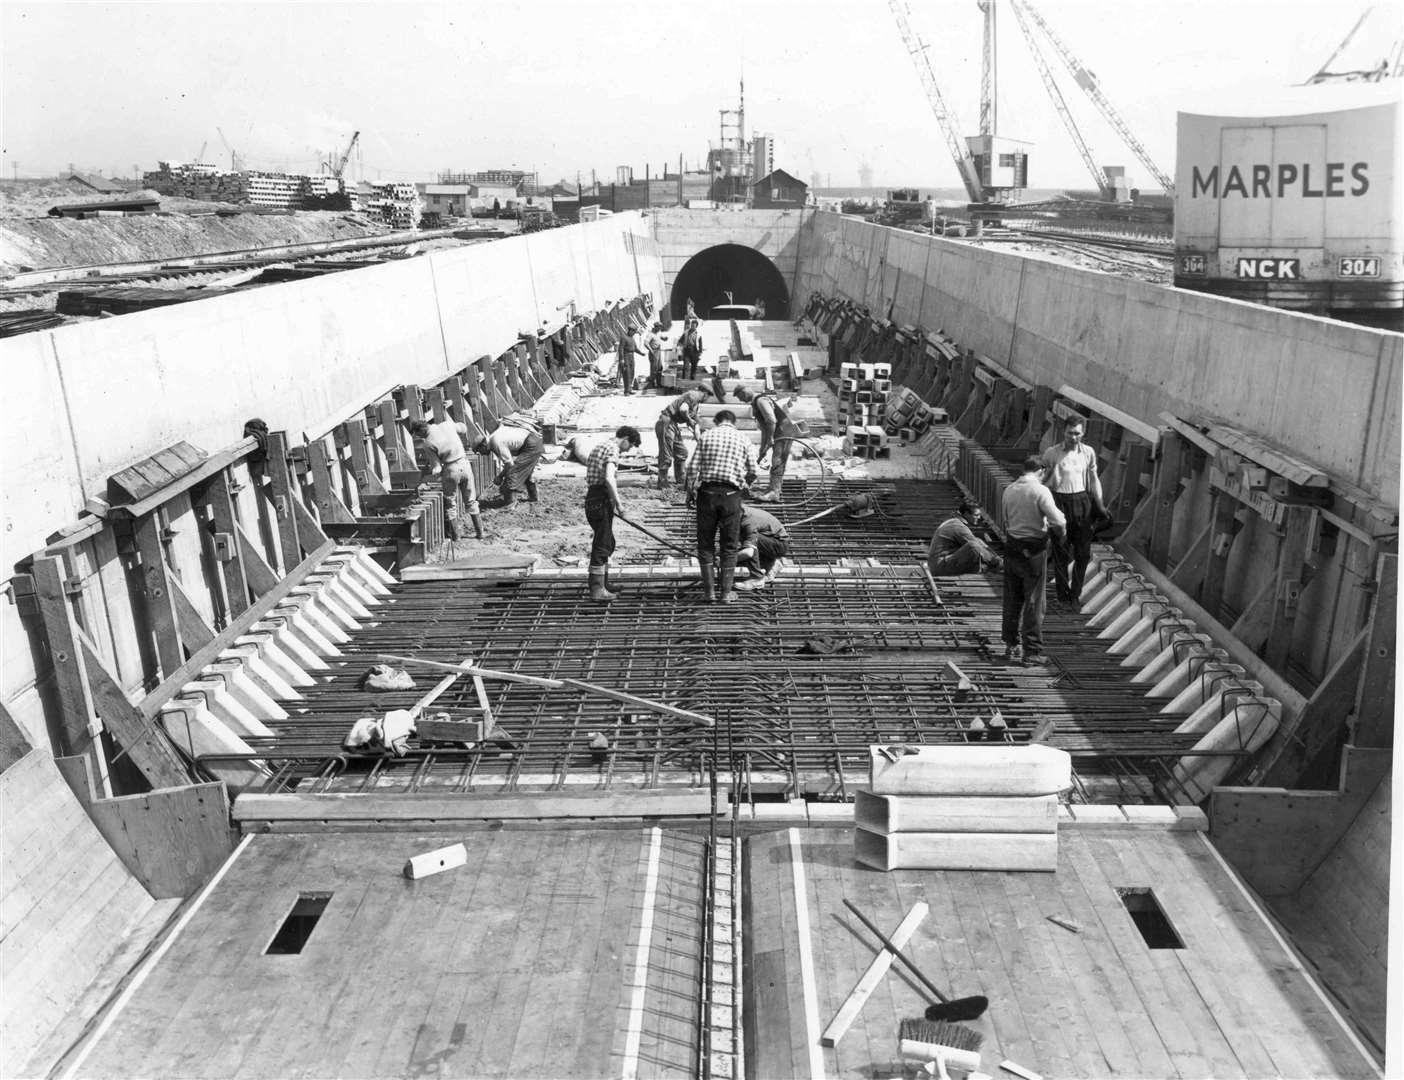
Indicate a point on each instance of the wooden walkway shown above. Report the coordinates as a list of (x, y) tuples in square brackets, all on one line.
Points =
[(1096, 1004), (519, 964)]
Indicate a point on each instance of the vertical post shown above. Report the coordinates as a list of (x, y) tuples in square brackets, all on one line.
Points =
[(78, 724), (1374, 723), (329, 505), (1166, 492), (236, 586), (1221, 537), (1296, 535), (367, 480), (283, 496), (162, 618), (397, 459)]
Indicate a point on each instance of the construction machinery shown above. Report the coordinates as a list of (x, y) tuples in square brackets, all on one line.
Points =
[(337, 167), (235, 163)]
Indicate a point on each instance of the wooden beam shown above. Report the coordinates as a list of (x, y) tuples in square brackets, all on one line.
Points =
[(77, 728), (1291, 580), (215, 463), (1268, 456), (309, 529), (1191, 433), (170, 687), (1294, 746), (368, 481), (682, 802), (162, 619), (329, 504), (228, 550), (285, 500), (261, 576), (1374, 723), (1149, 432), (1166, 486), (140, 738), (1252, 626), (1226, 528), (1189, 571), (397, 459)]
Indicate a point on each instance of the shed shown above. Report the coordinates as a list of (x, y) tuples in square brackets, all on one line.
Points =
[(140, 205), (778, 189)]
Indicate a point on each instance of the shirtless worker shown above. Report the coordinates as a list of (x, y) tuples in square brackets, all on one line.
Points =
[(445, 443)]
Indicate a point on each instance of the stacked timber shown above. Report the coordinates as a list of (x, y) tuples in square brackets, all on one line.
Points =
[(961, 808)]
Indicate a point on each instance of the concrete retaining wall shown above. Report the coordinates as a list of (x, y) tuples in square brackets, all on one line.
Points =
[(91, 399), (681, 233), (1327, 391)]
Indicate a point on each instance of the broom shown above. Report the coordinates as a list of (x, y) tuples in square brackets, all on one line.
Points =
[(949, 1044), (966, 1008)]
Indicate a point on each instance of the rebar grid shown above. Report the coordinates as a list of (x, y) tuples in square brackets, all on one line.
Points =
[(789, 720)]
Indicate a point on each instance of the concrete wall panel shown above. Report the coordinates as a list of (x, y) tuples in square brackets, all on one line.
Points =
[(486, 297)]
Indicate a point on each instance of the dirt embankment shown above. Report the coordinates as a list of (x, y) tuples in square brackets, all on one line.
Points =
[(45, 242)]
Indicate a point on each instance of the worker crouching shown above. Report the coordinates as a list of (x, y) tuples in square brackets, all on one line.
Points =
[(958, 549), (602, 504), (764, 543), (723, 464)]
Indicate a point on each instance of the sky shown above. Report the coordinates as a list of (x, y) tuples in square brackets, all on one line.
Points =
[(564, 87)]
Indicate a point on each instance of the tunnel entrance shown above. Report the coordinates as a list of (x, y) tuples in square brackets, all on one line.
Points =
[(744, 272)]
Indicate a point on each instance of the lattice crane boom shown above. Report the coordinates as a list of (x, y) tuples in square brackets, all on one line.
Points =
[(1056, 96), (917, 49), (1088, 82), (989, 90)]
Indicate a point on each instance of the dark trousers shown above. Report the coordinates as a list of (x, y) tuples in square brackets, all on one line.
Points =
[(779, 462), (626, 372), (671, 448), (963, 560), (599, 512), (1072, 554), (655, 370), (1025, 578), (769, 550), (689, 364), (718, 510), (516, 475)]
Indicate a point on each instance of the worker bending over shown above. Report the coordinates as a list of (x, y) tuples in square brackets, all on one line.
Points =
[(957, 549), (722, 465), (517, 446), (764, 543), (446, 444), (1029, 516), (602, 504), (681, 410), (1070, 470), (773, 421)]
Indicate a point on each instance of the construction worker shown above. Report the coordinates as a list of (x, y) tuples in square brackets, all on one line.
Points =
[(764, 543), (629, 347), (682, 410), (690, 349), (653, 345), (446, 445), (1070, 470), (957, 549), (773, 421), (1029, 516), (602, 504), (517, 445), (723, 465)]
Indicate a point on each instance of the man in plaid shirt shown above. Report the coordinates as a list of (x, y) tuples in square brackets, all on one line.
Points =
[(602, 503), (722, 465)]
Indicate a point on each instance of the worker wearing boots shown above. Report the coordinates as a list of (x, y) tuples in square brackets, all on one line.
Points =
[(629, 347), (1029, 516), (681, 410), (517, 446), (723, 464), (957, 549), (1070, 470), (653, 345), (773, 420), (602, 504), (764, 542), (690, 348), (445, 445)]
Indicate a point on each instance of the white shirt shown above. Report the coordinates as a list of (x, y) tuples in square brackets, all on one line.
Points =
[(1072, 470)]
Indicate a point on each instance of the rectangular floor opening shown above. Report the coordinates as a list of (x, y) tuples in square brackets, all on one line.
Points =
[(1150, 920), (299, 924)]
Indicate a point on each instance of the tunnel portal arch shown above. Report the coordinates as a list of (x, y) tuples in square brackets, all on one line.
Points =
[(744, 272)]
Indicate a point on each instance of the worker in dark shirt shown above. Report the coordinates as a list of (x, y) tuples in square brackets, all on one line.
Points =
[(957, 547), (668, 428), (764, 542), (773, 421), (653, 344), (690, 350)]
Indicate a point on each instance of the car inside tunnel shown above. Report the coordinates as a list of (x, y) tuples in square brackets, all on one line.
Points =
[(748, 276)]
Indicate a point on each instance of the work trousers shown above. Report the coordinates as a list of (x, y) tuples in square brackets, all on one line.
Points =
[(769, 550), (457, 479), (779, 462), (1072, 553), (515, 476), (690, 360), (670, 448), (626, 372), (655, 371), (718, 510), (599, 512), (964, 560), (1025, 578)]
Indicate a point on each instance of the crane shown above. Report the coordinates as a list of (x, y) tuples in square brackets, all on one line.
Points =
[(338, 167), (1088, 82), (200, 157), (234, 164), (988, 67), (917, 49), (1056, 96)]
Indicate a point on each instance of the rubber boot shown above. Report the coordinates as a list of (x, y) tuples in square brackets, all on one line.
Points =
[(709, 578), (679, 469), (728, 575), (532, 493), (598, 592), (477, 520)]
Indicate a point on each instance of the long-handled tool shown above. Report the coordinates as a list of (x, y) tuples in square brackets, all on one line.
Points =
[(966, 1008), (650, 533), (859, 505)]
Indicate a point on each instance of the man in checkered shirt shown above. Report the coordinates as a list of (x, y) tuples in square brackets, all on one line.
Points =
[(722, 465), (602, 504)]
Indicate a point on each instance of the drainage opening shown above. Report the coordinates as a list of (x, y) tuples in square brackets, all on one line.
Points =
[(1150, 919), (298, 926)]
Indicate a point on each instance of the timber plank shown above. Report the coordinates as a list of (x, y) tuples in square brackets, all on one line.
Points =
[(669, 1037), (769, 986), (606, 985)]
